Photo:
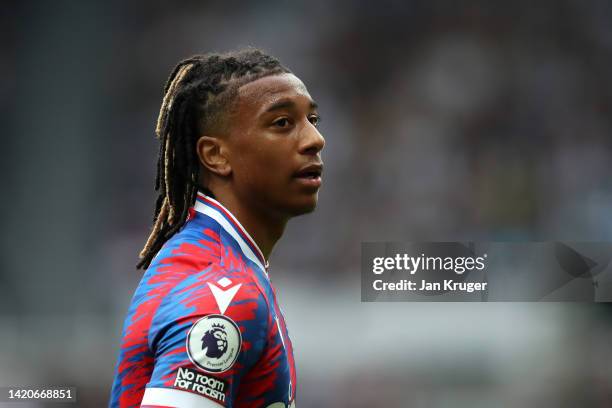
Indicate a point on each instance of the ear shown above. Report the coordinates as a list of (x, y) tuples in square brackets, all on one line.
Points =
[(213, 155)]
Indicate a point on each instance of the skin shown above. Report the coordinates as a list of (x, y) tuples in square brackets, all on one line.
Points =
[(251, 169)]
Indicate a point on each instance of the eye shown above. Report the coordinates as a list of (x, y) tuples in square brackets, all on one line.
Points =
[(281, 123), (315, 120)]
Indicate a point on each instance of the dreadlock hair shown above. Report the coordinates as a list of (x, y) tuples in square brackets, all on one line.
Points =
[(197, 95)]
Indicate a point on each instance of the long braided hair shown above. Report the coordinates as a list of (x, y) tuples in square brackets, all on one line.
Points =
[(197, 95)]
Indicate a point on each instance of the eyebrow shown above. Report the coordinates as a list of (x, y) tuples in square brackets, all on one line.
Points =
[(284, 104)]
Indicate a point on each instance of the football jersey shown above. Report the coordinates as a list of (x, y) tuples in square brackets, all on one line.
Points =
[(204, 328)]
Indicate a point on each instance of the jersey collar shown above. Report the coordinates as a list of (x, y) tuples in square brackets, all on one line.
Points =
[(214, 209)]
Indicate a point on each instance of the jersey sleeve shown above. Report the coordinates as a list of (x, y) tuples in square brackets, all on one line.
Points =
[(206, 336)]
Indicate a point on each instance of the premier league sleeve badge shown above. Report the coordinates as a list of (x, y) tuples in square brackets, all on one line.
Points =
[(213, 343)]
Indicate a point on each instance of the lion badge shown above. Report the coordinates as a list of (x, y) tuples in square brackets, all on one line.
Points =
[(213, 343)]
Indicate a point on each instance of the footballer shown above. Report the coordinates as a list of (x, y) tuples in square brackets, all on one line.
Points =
[(239, 156)]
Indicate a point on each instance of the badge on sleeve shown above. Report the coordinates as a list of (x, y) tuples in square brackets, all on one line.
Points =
[(213, 343)]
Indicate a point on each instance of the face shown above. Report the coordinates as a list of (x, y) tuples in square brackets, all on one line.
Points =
[(274, 146)]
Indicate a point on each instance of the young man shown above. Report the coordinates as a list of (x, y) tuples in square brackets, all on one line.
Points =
[(240, 156)]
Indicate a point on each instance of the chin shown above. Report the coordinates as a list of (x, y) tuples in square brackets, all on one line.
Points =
[(304, 205)]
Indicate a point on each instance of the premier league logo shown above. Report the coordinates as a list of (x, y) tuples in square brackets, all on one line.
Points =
[(213, 343)]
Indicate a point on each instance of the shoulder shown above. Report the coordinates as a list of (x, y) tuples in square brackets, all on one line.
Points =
[(204, 283), (200, 243), (194, 247), (198, 273), (200, 265)]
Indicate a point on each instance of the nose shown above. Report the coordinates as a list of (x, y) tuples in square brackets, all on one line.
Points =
[(311, 141)]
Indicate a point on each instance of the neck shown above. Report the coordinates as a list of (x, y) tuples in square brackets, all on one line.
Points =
[(265, 229)]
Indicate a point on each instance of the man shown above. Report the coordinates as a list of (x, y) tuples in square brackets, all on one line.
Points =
[(239, 156)]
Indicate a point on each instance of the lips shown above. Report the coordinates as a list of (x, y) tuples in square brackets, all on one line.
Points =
[(311, 171), (310, 176)]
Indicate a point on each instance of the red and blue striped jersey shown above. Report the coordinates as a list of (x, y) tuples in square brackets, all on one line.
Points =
[(204, 328)]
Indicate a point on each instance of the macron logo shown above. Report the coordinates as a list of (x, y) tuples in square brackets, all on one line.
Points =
[(224, 292)]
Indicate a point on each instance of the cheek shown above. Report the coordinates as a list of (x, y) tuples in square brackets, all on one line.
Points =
[(264, 164)]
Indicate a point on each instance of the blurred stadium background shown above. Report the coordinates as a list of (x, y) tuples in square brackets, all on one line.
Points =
[(473, 120)]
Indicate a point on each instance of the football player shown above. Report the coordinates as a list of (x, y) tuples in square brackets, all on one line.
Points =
[(239, 156)]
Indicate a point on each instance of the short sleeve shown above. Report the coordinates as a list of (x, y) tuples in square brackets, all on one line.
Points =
[(206, 336)]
